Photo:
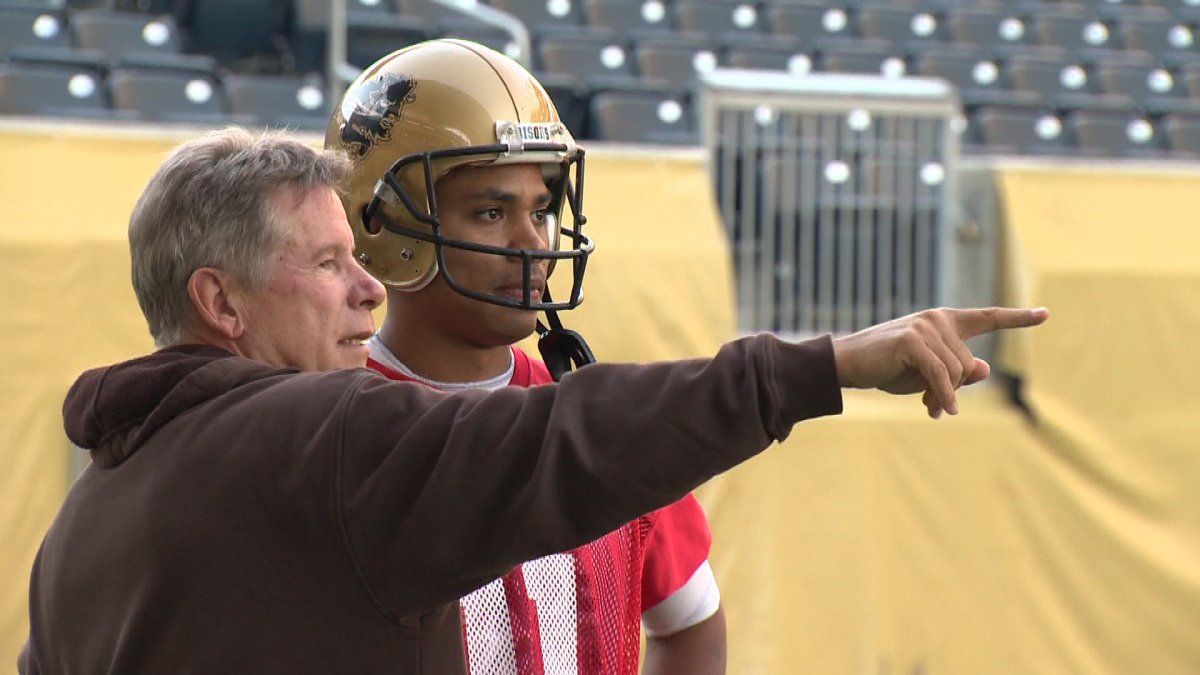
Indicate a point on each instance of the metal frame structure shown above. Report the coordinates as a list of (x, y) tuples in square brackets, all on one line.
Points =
[(839, 193)]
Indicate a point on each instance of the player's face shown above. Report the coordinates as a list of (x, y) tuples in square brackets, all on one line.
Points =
[(499, 206), (315, 311)]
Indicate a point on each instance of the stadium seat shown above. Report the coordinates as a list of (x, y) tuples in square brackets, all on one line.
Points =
[(905, 28), (629, 17), (1153, 31), (642, 117), (767, 57), (595, 59), (544, 16), (1020, 130), (1114, 134), (1116, 9), (1062, 82), (1184, 10), (979, 78), (724, 21), (171, 94), (31, 27), (1079, 33), (999, 31), (279, 101), (121, 33), (678, 60), (809, 23), (1153, 87), (868, 57), (51, 89), (1181, 134)]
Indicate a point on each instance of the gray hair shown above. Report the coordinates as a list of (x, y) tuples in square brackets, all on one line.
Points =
[(211, 204)]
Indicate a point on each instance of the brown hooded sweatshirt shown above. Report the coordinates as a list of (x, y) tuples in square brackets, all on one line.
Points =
[(241, 518)]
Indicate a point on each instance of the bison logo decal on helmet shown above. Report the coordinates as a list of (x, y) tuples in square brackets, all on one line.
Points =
[(369, 115)]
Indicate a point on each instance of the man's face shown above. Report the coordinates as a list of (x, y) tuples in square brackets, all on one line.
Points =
[(315, 311), (500, 206)]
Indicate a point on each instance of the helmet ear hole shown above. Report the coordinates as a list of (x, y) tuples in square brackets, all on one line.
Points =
[(369, 223)]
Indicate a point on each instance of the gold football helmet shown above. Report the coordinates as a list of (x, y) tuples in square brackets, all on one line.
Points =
[(425, 110)]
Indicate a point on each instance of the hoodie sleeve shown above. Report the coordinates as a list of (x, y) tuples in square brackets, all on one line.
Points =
[(441, 493)]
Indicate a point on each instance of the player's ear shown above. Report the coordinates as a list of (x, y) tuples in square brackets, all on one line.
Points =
[(215, 302)]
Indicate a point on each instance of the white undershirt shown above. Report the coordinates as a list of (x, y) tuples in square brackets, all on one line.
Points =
[(382, 354)]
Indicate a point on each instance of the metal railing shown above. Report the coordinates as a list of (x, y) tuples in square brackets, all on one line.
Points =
[(838, 193)]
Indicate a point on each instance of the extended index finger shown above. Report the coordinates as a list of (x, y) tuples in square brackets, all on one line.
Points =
[(972, 322)]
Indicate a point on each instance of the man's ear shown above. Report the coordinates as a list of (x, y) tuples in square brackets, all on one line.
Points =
[(212, 294)]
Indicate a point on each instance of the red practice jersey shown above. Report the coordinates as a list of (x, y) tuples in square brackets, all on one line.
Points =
[(580, 612)]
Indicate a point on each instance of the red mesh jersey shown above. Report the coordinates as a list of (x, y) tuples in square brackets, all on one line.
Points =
[(579, 613)]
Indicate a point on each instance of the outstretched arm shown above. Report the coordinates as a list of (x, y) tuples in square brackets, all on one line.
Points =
[(696, 650), (925, 352)]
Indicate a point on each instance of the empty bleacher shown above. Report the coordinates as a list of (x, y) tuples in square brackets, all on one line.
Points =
[(1119, 77)]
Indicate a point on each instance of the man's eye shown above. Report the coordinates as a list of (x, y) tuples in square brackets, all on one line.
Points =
[(541, 214), (329, 264), (491, 214)]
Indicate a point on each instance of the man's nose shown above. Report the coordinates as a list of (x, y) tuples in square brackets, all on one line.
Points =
[(531, 234), (369, 292)]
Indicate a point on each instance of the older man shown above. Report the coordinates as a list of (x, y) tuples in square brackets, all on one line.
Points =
[(256, 504)]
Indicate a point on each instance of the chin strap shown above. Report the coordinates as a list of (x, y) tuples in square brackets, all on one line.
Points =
[(562, 350)]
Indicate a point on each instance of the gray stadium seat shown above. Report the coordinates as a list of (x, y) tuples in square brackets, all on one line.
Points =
[(1184, 10), (1012, 130), (279, 101), (642, 117), (594, 59), (120, 33), (1114, 134), (809, 23), (725, 21), (1151, 31), (171, 95), (31, 27), (1181, 134), (51, 89), (907, 28), (1000, 31), (768, 57), (629, 17), (675, 60), (979, 78), (1079, 33), (868, 57), (544, 16), (1062, 82), (1154, 88)]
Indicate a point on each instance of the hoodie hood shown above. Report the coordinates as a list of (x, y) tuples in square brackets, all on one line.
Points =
[(110, 410)]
